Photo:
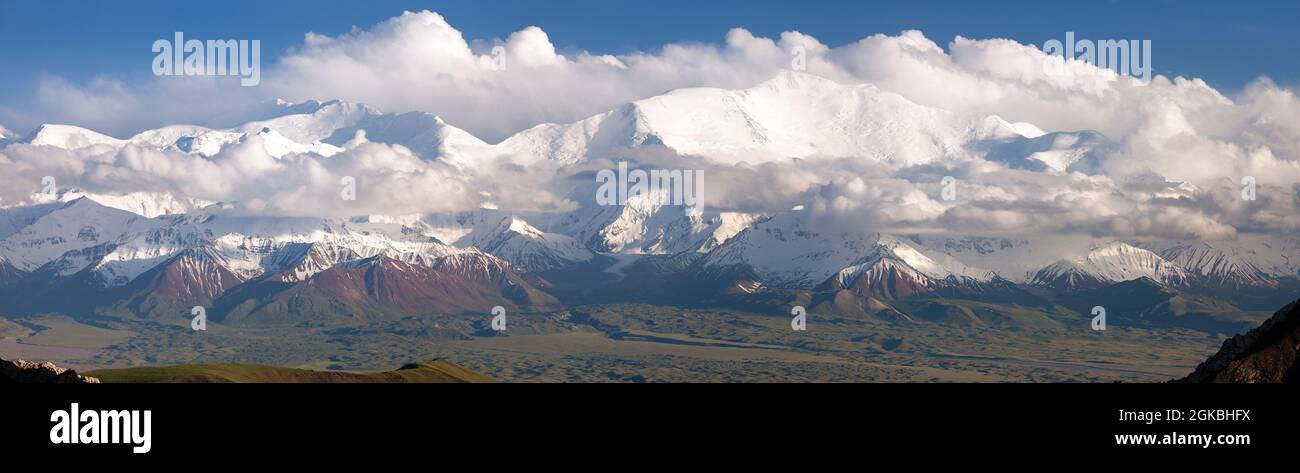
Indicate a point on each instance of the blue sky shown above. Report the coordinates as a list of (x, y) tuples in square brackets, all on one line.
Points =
[(1226, 43)]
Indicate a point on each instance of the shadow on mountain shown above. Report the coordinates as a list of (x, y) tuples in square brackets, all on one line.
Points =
[(1145, 302)]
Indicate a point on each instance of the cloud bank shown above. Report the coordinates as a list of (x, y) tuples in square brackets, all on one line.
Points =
[(1177, 128)]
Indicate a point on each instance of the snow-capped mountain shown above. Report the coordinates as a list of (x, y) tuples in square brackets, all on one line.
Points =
[(310, 127), (129, 244), (300, 262), (784, 252), (895, 270), (647, 226), (1110, 263), (514, 240), (1014, 259), (70, 137), (195, 276), (187, 251), (73, 226), (1215, 266), (145, 204), (381, 287), (334, 123), (794, 115)]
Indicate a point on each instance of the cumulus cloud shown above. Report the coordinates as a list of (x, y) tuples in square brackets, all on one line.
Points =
[(386, 179), (1177, 128)]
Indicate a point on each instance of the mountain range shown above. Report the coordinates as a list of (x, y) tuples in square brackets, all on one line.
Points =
[(154, 255)]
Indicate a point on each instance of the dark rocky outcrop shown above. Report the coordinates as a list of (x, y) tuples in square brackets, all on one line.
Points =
[(1266, 354), (23, 372)]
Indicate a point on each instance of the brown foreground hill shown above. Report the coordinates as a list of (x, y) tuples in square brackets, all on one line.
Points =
[(25, 372)]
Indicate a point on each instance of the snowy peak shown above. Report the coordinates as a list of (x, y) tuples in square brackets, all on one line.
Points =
[(145, 204), (278, 146), (570, 143), (783, 252), (1108, 264), (881, 276), (1215, 266), (787, 79), (800, 115), (523, 245), (792, 115), (77, 225), (313, 121), (70, 137), (309, 127), (896, 269), (312, 259), (937, 266)]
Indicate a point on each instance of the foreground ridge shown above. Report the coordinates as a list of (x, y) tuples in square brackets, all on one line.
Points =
[(1266, 354), (26, 372)]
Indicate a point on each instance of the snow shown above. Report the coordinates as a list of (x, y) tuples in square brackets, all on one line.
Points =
[(1117, 262), (1057, 152), (792, 115), (1247, 258), (785, 253), (932, 264), (514, 240), (1011, 258), (1204, 260), (119, 246), (70, 137), (145, 204), (75, 226), (278, 145)]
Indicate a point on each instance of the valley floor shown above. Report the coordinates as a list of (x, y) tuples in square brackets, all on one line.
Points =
[(641, 343)]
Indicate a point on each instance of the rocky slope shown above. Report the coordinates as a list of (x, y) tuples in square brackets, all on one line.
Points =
[(1266, 354), (25, 372)]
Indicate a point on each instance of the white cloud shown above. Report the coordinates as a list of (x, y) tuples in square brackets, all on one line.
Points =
[(390, 179), (1177, 128)]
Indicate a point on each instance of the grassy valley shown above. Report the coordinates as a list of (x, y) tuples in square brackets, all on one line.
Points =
[(437, 371), (946, 340)]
